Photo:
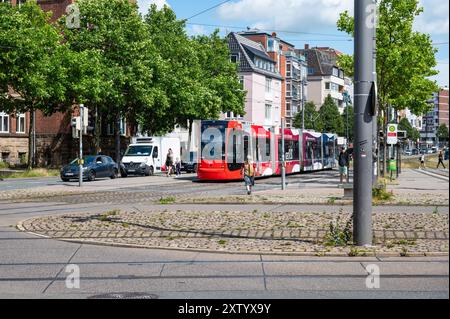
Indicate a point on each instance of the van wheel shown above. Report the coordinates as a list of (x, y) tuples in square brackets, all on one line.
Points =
[(151, 171)]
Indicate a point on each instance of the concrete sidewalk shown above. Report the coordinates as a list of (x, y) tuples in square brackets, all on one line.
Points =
[(36, 268)]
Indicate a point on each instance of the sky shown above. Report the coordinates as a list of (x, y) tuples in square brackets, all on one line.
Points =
[(302, 21)]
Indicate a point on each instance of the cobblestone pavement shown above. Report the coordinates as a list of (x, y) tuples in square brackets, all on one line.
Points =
[(247, 232)]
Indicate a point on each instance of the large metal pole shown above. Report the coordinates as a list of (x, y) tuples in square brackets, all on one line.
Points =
[(80, 173), (363, 123), (283, 156), (375, 117), (303, 102)]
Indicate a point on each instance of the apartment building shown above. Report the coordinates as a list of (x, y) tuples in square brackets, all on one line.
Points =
[(260, 78), (291, 66), (325, 77)]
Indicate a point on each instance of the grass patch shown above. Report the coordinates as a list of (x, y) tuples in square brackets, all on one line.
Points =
[(222, 242), (332, 200), (167, 200), (106, 217), (3, 165), (38, 172), (380, 193), (338, 235)]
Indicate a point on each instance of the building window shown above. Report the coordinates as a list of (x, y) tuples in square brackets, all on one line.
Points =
[(327, 85), (288, 69), (268, 112), (288, 89), (234, 58), (4, 122), (268, 85), (20, 123), (334, 87), (311, 70), (336, 72)]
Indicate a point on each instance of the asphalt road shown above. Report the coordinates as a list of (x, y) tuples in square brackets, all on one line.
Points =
[(33, 267)]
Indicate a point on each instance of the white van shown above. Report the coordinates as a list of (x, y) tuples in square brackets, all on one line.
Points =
[(147, 155)]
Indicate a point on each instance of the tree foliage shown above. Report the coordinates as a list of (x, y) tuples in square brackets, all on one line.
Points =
[(412, 133), (405, 58), (312, 118), (442, 132), (348, 120), (330, 117)]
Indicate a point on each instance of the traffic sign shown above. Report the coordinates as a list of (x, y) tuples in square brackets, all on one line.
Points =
[(392, 134)]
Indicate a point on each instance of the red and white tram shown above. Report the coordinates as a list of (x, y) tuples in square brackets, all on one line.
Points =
[(225, 145)]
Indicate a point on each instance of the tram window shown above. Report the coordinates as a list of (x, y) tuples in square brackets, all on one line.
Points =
[(309, 151), (268, 152), (246, 146)]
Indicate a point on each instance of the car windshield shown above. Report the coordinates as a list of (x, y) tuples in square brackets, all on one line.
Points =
[(88, 160), (139, 151)]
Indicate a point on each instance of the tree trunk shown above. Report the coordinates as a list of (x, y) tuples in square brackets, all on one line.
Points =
[(190, 123), (31, 146), (98, 131), (117, 138)]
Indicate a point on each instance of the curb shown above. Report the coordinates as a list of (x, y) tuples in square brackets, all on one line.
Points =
[(306, 204), (224, 252)]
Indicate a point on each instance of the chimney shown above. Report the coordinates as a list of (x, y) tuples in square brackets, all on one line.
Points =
[(306, 46), (274, 34)]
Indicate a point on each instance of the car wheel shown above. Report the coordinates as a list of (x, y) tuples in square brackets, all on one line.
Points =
[(115, 174), (195, 169), (151, 171), (91, 176)]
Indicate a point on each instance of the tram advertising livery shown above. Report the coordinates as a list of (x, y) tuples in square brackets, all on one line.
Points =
[(226, 145)]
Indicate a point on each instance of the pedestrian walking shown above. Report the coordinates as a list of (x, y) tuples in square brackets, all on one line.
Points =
[(169, 162), (422, 162), (178, 167), (248, 170), (343, 165), (441, 160)]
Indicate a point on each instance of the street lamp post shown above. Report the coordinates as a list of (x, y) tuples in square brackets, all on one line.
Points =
[(363, 155)]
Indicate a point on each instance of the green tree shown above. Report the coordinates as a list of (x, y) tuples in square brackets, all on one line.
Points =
[(32, 57), (405, 58), (125, 62), (312, 118), (442, 133), (412, 133), (348, 120), (201, 82), (330, 117)]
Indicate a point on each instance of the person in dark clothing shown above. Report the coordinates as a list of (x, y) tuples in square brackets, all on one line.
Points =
[(441, 159), (343, 164)]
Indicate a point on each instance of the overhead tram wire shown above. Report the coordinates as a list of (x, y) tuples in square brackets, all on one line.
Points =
[(278, 31), (209, 9)]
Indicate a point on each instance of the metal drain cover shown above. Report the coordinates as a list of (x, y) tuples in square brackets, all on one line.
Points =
[(125, 295)]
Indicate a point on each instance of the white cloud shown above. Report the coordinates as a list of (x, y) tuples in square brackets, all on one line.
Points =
[(196, 30), (434, 19), (144, 5), (297, 15)]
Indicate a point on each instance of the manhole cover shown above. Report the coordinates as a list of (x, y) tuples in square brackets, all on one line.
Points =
[(125, 295)]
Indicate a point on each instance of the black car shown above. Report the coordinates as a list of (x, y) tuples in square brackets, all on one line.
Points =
[(94, 167)]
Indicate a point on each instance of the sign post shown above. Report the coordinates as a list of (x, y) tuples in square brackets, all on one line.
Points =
[(81, 164)]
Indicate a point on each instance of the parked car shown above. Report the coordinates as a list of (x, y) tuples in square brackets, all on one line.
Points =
[(446, 154), (191, 165), (434, 150), (407, 153), (94, 167), (415, 151)]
